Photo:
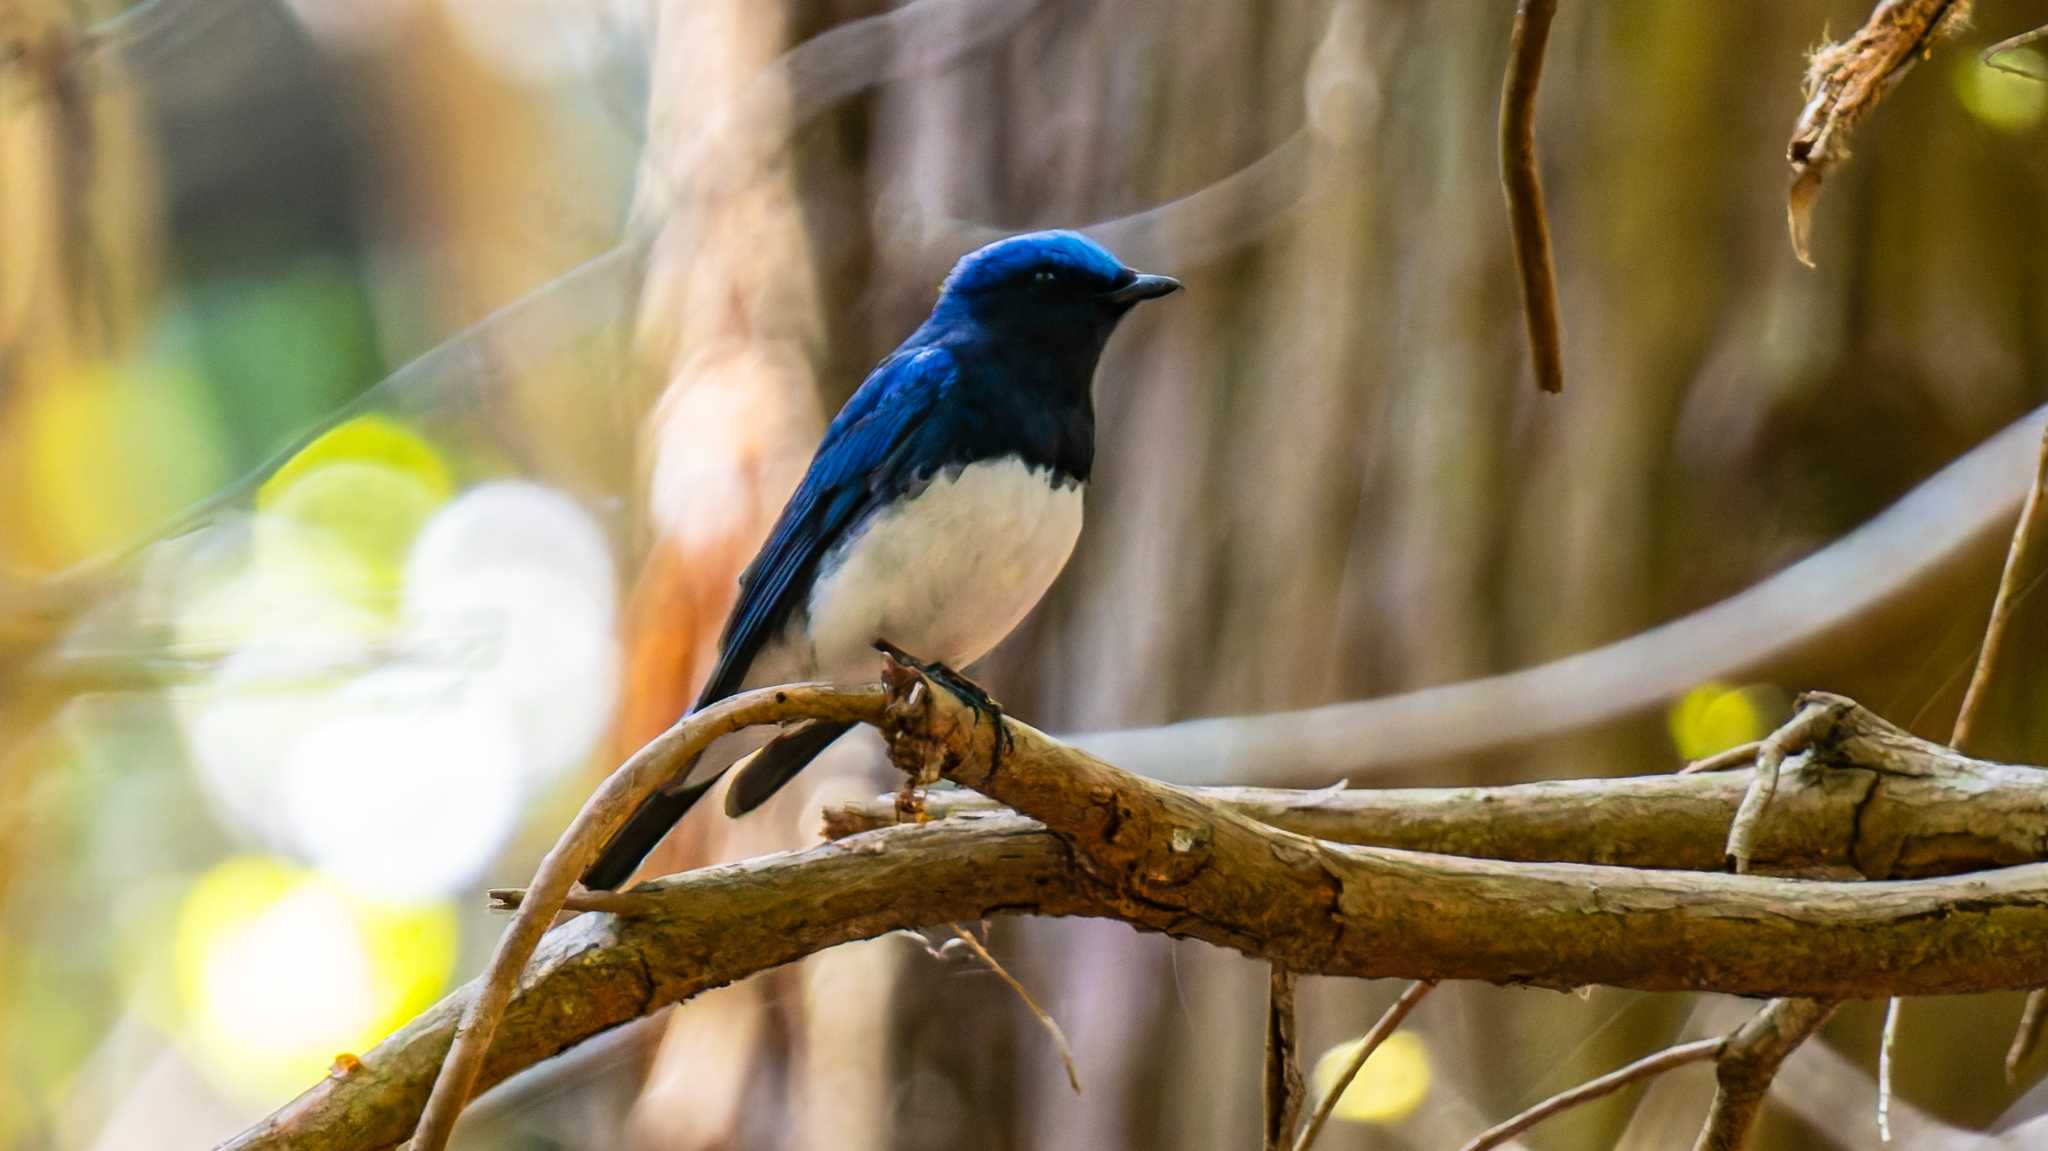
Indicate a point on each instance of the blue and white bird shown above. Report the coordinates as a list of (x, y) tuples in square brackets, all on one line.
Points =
[(943, 502)]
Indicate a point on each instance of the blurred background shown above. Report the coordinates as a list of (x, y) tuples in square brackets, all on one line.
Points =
[(391, 392)]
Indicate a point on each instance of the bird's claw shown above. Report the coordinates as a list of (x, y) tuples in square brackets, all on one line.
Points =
[(964, 689)]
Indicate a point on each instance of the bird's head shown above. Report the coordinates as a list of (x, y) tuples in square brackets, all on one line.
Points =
[(1048, 286)]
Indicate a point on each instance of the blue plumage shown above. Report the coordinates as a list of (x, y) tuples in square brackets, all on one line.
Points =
[(984, 413)]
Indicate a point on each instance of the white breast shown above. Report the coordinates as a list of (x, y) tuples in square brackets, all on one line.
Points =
[(946, 574)]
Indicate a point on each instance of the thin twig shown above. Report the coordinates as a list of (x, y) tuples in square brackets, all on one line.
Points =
[(2024, 536), (1885, 1048), (624, 903), (1388, 1021), (1793, 737), (1527, 223), (1051, 1025), (1741, 755), (1990, 56), (1647, 1067), (1283, 1088), (2029, 1032), (601, 816)]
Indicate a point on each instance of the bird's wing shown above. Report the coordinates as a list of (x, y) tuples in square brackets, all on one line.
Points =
[(856, 463)]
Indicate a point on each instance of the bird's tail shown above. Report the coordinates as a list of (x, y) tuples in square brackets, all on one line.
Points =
[(646, 828), (761, 775), (776, 764)]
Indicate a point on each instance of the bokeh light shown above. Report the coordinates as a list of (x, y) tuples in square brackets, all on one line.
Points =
[(344, 510), (402, 670), (279, 971), (63, 504), (1999, 98), (1714, 717), (1388, 1089)]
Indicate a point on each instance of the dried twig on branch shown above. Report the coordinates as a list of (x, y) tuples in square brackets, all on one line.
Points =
[(1844, 83), (1527, 223)]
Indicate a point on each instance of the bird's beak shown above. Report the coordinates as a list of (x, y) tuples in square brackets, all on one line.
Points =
[(1145, 287)]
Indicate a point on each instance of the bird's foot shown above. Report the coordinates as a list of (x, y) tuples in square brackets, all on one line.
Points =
[(965, 690)]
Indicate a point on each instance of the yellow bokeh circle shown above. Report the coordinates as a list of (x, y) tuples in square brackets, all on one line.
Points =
[(279, 971), (1391, 1085), (1715, 716), (342, 513)]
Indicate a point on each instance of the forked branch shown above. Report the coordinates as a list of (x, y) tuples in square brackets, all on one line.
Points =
[(1103, 843)]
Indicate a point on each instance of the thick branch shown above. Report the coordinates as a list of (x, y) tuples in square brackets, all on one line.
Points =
[(704, 929), (1866, 799), (1117, 846)]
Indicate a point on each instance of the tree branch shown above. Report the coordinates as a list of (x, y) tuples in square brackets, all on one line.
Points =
[(1524, 187), (1283, 1089), (1864, 799), (666, 757), (1118, 846), (1648, 1067), (1749, 1063)]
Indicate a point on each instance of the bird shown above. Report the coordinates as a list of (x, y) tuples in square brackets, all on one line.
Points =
[(941, 504)]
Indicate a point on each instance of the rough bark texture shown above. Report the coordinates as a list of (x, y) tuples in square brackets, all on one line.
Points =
[(1109, 844), (1867, 799), (1749, 1062)]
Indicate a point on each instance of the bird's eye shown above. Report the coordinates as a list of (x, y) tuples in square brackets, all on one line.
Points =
[(1045, 277)]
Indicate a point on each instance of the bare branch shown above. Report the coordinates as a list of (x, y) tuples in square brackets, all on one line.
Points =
[(1119, 846), (667, 756), (1648, 1067), (1844, 83), (1865, 799), (1283, 1089), (1815, 715), (1749, 1063), (716, 925), (1388, 1022), (1524, 187), (623, 903), (1738, 756)]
